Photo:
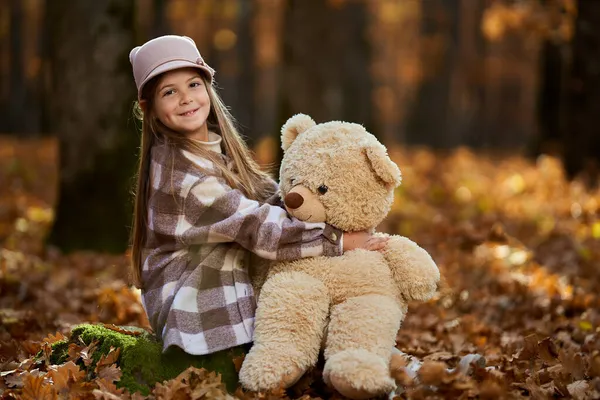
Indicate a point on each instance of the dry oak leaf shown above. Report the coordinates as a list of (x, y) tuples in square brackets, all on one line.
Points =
[(63, 376), (594, 368), (547, 351), (51, 339), (86, 353), (47, 352), (490, 389), (108, 387), (432, 372), (193, 383), (100, 395), (398, 372), (237, 362), (118, 329), (578, 389), (74, 352), (108, 359), (31, 346), (111, 373), (35, 388), (573, 363), (15, 380), (173, 389)]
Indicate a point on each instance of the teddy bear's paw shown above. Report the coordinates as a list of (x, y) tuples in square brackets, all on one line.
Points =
[(263, 371), (419, 291), (358, 374)]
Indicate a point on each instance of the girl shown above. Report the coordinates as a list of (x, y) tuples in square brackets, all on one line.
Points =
[(202, 206)]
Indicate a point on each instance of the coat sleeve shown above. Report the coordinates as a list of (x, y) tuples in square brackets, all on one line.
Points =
[(275, 199), (213, 212)]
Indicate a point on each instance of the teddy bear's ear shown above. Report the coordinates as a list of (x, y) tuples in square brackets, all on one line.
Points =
[(384, 167), (294, 126)]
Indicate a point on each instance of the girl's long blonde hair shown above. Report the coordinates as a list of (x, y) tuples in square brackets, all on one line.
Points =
[(246, 175)]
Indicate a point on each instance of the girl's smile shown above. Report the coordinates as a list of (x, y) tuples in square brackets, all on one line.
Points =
[(189, 113)]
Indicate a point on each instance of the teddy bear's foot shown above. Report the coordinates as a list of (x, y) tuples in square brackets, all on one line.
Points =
[(263, 370), (358, 374)]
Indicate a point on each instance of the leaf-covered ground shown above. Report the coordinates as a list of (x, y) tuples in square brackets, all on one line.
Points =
[(517, 244)]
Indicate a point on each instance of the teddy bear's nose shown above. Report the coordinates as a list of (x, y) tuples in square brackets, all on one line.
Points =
[(293, 200)]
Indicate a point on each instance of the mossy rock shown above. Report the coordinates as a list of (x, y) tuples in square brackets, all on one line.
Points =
[(142, 360)]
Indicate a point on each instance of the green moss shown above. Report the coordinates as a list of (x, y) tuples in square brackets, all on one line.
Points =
[(60, 352), (142, 361)]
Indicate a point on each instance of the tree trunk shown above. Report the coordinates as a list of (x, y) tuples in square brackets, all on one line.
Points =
[(21, 105), (581, 138), (430, 120), (327, 70), (89, 109), (396, 65), (551, 108), (267, 29)]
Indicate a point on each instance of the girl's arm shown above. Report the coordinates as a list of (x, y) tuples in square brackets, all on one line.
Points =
[(213, 212)]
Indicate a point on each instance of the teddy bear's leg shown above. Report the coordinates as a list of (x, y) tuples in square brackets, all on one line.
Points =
[(289, 326), (360, 338)]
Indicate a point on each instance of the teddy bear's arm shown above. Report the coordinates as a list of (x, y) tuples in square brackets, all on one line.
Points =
[(413, 269)]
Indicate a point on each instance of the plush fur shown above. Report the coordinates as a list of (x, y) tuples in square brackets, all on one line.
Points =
[(351, 306)]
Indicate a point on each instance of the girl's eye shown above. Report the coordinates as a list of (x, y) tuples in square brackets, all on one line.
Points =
[(195, 84), (168, 92), (322, 189)]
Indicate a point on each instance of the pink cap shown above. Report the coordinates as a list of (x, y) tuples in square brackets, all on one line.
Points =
[(165, 53)]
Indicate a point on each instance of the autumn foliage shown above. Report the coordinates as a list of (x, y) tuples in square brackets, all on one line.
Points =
[(518, 246)]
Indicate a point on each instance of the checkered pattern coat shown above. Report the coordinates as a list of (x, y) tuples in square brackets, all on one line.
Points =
[(196, 288)]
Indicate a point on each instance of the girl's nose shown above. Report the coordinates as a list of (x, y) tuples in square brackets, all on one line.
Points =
[(186, 98)]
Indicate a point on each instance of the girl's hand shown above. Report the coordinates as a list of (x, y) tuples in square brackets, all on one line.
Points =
[(363, 240)]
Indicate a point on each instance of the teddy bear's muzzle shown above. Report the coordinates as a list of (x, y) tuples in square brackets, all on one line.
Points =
[(303, 204)]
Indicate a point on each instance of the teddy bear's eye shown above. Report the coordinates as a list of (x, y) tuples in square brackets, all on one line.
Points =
[(322, 189), (292, 181)]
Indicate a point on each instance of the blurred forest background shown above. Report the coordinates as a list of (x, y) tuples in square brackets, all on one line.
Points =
[(517, 76), (489, 107)]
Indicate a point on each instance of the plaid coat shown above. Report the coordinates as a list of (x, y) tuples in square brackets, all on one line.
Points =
[(196, 288)]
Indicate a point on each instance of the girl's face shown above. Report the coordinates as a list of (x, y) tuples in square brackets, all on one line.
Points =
[(181, 102)]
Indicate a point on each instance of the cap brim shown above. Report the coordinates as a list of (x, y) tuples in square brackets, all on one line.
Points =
[(171, 65)]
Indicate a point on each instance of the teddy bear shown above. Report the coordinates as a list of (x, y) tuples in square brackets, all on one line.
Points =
[(350, 306)]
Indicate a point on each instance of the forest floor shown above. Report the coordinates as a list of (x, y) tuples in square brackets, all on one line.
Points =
[(517, 244)]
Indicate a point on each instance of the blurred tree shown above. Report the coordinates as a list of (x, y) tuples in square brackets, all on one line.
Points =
[(396, 64), (581, 138), (21, 102), (326, 61), (88, 105), (160, 25), (554, 69), (221, 30), (265, 75)]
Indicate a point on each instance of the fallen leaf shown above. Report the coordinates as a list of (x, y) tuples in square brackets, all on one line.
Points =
[(108, 387), (238, 361), (31, 346), (432, 372), (116, 328), (63, 376), (108, 359), (51, 339), (110, 373), (14, 380), (35, 388), (578, 389), (86, 353)]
